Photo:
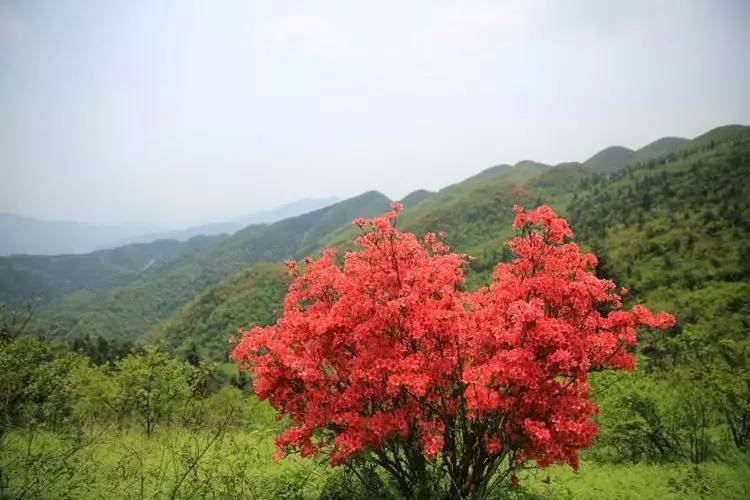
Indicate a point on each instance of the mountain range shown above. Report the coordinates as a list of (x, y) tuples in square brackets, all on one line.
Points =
[(23, 235), (629, 205)]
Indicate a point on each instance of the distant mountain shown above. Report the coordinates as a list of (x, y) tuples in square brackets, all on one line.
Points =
[(219, 228), (130, 309), (28, 235), (532, 164), (610, 159), (719, 134), (614, 158), (287, 210), (660, 147), (415, 197), (476, 213), (502, 172), (30, 277), (263, 217)]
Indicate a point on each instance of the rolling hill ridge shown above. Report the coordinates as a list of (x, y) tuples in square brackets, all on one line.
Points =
[(197, 287), (477, 217)]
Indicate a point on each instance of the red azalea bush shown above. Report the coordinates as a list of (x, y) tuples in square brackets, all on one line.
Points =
[(386, 358)]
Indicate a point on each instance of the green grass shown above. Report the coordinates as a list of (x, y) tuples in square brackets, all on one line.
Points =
[(126, 464), (640, 481), (238, 464)]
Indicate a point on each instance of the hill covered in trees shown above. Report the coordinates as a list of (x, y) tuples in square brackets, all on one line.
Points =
[(612, 213), (126, 292), (128, 310)]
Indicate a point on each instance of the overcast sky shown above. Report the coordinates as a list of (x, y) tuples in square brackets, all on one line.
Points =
[(184, 112)]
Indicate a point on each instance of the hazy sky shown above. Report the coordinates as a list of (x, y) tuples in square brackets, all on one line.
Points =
[(187, 112)]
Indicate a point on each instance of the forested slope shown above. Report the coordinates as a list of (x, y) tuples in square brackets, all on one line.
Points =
[(477, 215), (607, 204), (128, 311), (25, 277)]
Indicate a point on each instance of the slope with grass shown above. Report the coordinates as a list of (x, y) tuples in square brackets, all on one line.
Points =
[(660, 147)]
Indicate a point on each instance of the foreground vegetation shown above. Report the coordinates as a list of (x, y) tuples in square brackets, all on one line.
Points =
[(149, 425)]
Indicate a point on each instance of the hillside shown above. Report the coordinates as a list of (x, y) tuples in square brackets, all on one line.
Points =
[(127, 311), (30, 277), (678, 234), (611, 159), (718, 134), (250, 297), (614, 158), (477, 217), (660, 147), (415, 197), (471, 211), (476, 213)]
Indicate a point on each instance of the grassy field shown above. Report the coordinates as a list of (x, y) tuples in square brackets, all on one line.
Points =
[(236, 462)]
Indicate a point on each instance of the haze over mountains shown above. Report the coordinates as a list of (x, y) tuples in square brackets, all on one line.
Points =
[(136, 289), (31, 236)]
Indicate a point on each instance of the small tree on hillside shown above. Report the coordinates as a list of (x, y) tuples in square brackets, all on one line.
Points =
[(385, 358), (151, 386)]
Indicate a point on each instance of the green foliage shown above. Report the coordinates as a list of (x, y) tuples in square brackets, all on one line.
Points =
[(639, 481), (151, 386), (248, 298)]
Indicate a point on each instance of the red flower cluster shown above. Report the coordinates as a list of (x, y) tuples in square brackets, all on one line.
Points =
[(388, 346)]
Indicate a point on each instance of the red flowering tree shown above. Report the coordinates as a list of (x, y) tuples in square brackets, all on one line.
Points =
[(385, 358)]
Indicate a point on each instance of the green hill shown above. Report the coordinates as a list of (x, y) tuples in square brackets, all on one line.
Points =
[(250, 297), (477, 212), (611, 159), (25, 277), (719, 134), (129, 310), (660, 147), (677, 229), (476, 215), (632, 218), (415, 197)]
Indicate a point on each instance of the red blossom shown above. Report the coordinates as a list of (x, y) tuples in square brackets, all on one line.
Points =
[(388, 346)]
